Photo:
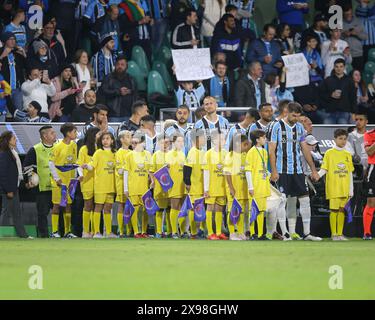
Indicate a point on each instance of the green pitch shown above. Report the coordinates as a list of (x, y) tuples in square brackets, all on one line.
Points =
[(185, 269)]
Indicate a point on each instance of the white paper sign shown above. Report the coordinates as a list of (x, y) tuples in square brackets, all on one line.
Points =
[(297, 73), (192, 64)]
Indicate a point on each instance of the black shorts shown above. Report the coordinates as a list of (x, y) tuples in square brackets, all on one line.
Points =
[(293, 185), (370, 181)]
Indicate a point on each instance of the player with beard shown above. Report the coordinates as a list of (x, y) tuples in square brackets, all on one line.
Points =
[(100, 120)]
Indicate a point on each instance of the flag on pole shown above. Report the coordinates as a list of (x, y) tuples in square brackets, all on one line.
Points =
[(186, 206), (64, 196), (73, 187), (254, 211), (199, 210), (348, 210), (164, 178), (67, 167), (235, 211), (128, 211), (149, 203)]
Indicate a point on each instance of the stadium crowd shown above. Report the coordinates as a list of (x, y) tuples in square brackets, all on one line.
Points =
[(76, 68)]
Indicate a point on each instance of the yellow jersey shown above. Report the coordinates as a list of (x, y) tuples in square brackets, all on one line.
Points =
[(87, 183), (235, 166), (104, 163), (138, 165), (214, 163), (339, 165), (194, 160), (256, 163), (159, 160), (64, 154), (120, 156), (176, 160)]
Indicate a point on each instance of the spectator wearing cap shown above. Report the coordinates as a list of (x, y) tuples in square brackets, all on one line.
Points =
[(67, 96), (366, 13), (17, 28), (42, 59), (32, 114), (111, 27), (354, 34), (84, 112), (119, 92), (312, 145), (13, 65), (319, 30), (292, 13), (38, 88), (103, 62)]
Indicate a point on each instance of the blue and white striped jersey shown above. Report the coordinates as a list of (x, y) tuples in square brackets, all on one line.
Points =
[(185, 132), (235, 129), (151, 144), (221, 123)]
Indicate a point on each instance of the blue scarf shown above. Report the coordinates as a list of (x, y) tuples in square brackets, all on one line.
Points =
[(12, 71)]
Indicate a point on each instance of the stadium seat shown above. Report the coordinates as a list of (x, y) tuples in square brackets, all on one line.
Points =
[(371, 55), (155, 83), (162, 69), (137, 74), (140, 58), (164, 55), (348, 68), (367, 77), (370, 66), (86, 45)]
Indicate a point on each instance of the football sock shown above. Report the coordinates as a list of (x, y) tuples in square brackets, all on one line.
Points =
[(193, 224), (134, 220), (209, 222), (292, 213), (368, 214), (120, 223), (129, 229), (92, 222), (271, 221), (86, 221), (281, 217), (333, 223), (182, 224), (55, 223), (260, 224), (340, 223), (159, 221), (107, 222), (230, 224), (144, 221), (174, 218), (67, 221), (96, 222), (246, 226), (252, 228), (240, 224), (305, 210), (218, 222)]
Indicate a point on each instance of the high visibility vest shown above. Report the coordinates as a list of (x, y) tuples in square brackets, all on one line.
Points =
[(43, 154)]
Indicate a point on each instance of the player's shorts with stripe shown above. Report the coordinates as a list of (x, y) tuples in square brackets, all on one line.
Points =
[(102, 198), (338, 203), (293, 185), (221, 201), (370, 181), (162, 203), (88, 195)]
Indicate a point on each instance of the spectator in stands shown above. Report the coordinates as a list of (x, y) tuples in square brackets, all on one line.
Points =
[(100, 120), (227, 39), (83, 71), (283, 38), (319, 30), (67, 96), (266, 51), (186, 35), (103, 62), (188, 95), (139, 110), (354, 34), (10, 178), (291, 13), (32, 114), (5, 91), (334, 49), (17, 28), (120, 92), (7, 8), (324, 5), (13, 65), (159, 13), (180, 8), (220, 86), (213, 11), (366, 13), (39, 155), (250, 90), (38, 88), (84, 112), (111, 26), (42, 58), (360, 86), (338, 96)]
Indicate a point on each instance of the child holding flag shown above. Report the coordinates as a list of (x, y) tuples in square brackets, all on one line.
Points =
[(236, 187), (159, 160), (258, 180), (125, 139), (136, 181), (86, 179), (175, 161), (214, 184), (103, 165), (193, 174), (62, 166), (338, 168)]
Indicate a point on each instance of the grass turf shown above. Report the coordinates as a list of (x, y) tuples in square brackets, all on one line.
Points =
[(185, 269)]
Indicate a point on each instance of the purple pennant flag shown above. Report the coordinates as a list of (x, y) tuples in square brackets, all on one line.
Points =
[(64, 196), (348, 210), (128, 211), (67, 167), (73, 187), (150, 204), (199, 210), (254, 211), (164, 178), (186, 206), (235, 211)]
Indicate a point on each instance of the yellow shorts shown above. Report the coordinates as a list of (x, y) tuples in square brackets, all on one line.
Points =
[(56, 196), (88, 195), (221, 201), (162, 203), (337, 203), (102, 198), (136, 200), (120, 198), (261, 203)]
